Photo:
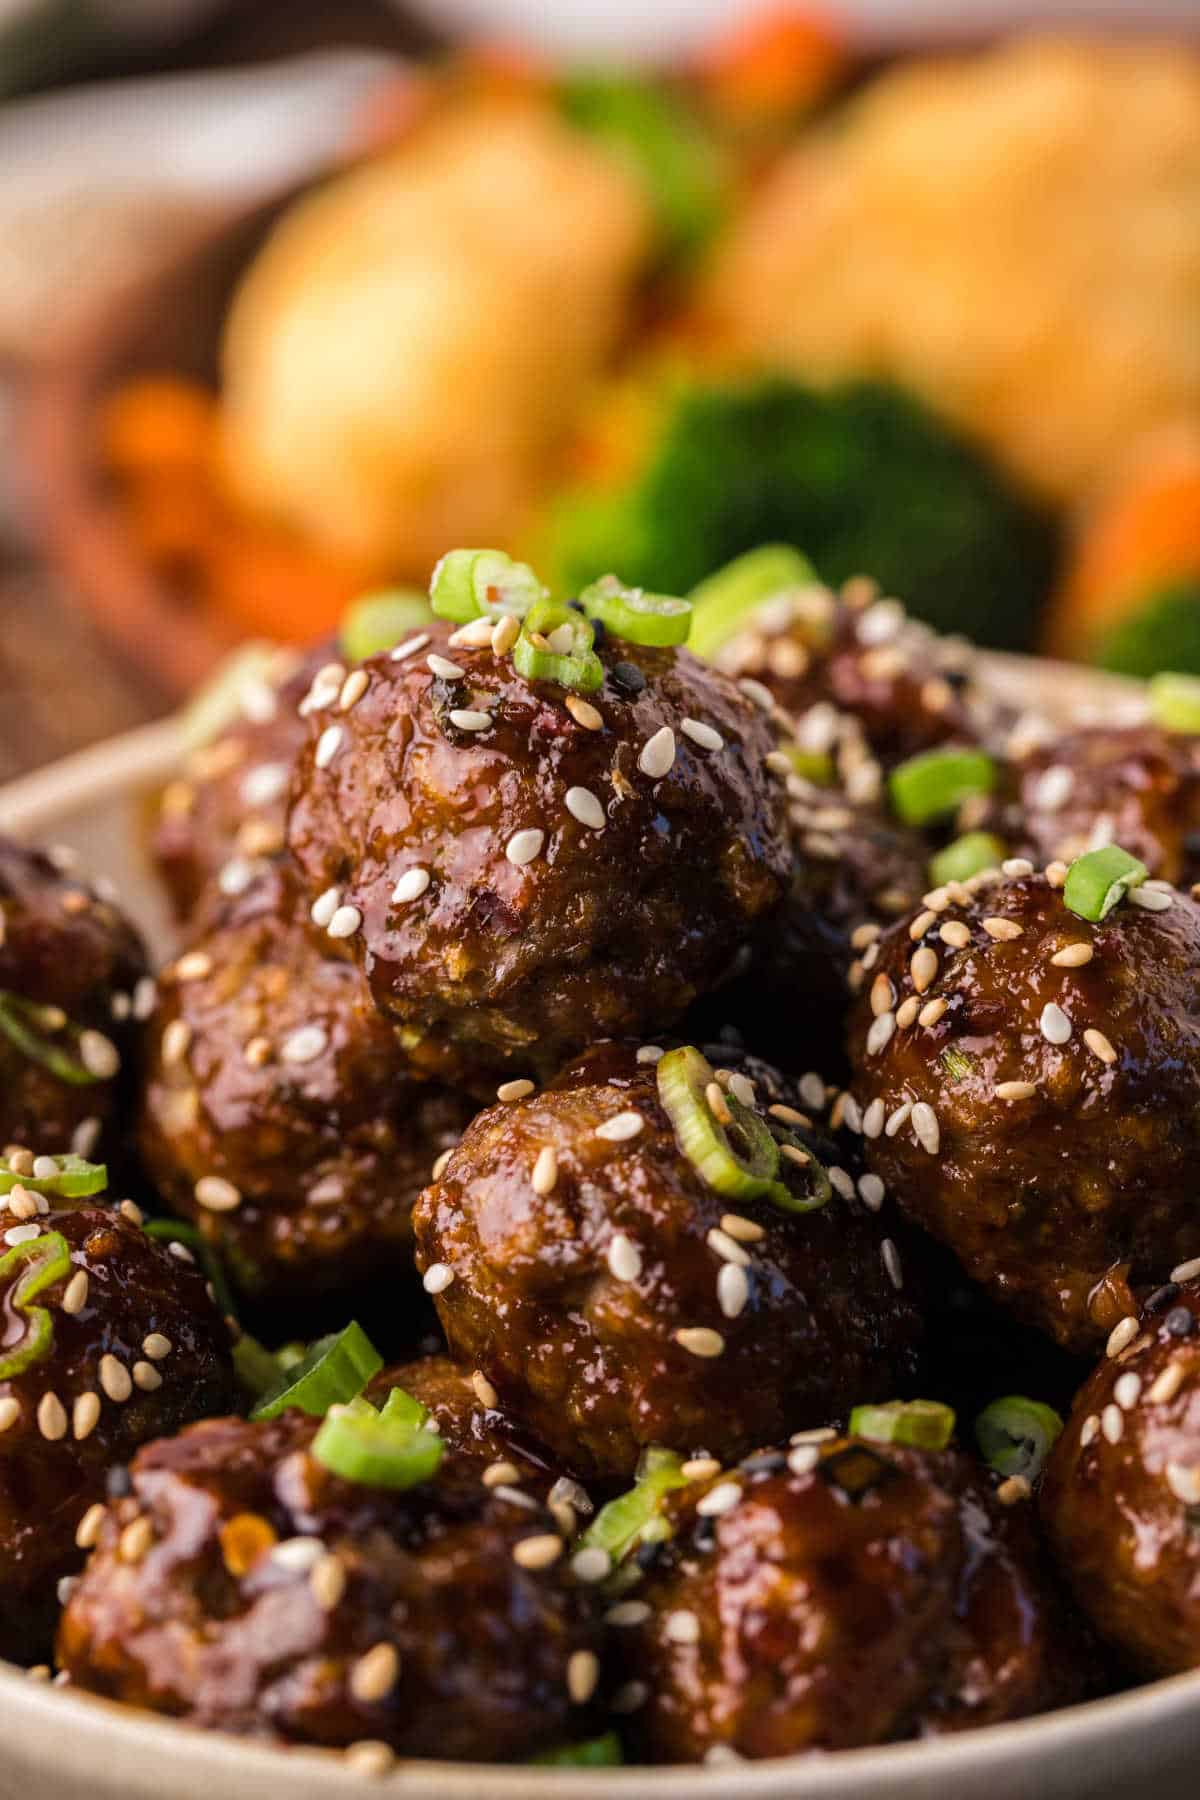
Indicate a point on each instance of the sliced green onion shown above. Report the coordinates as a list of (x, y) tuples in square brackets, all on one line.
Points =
[(966, 856), (25, 1025), (35, 1265), (935, 783), (258, 1369), (1100, 880), (723, 603), (595, 1753), (75, 1179), (377, 622), (656, 620), (956, 1064), (926, 1424), (1016, 1435), (816, 766), (387, 1450), (176, 1231), (568, 659), (737, 1155), (625, 1521), (1175, 702), (472, 584), (335, 1370), (219, 703)]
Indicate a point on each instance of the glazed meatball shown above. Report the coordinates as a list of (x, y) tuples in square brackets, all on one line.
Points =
[(279, 1113), (72, 978), (1035, 1077), (221, 820), (839, 1594), (469, 1421), (119, 1343), (520, 871), (1122, 1487), (616, 1301), (1136, 786), (242, 1585)]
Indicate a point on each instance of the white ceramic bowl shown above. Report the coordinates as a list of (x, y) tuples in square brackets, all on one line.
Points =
[(55, 1745)]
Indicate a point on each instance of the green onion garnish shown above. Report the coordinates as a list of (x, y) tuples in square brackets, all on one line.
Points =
[(966, 856), (258, 1369), (623, 1523), (26, 1025), (1175, 702), (388, 1449), (335, 1370), (816, 766), (722, 604), (472, 584), (176, 1231), (1016, 1435), (595, 1753), (556, 645), (378, 622), (935, 783), (926, 1424), (36, 1265), (74, 1180), (735, 1153), (656, 620), (1100, 880)]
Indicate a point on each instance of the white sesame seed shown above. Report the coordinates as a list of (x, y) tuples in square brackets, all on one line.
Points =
[(899, 1118), (1089, 1431), (545, 1170), (702, 734), (515, 1090), (733, 1290), (369, 1756), (466, 718), (583, 1672), (718, 1500), (1186, 1271), (180, 1252), (817, 1434), (299, 1555), (746, 1231), (22, 1234), (304, 1045), (217, 1194), (873, 1119), (437, 1278), (328, 745), (881, 1033), (99, 1055), (51, 1418), (1056, 874), (1150, 899), (1052, 790), (1016, 866), (176, 1041), (1121, 1336), (891, 1262), (156, 1346), (726, 1247), (700, 1340), (657, 753), (375, 1674), (624, 1257), (1126, 1390), (757, 692), (537, 1552), (1099, 1045), (619, 1129), (925, 1124), (443, 667), (115, 1378), (682, 1627), (921, 925), (324, 907), (500, 1474), (871, 1192), (583, 805), (10, 1412), (524, 846), (627, 1612), (345, 922), (1112, 1424), (75, 1293), (411, 885), (264, 785), (1054, 1024), (353, 689), (410, 647), (811, 1089), (1072, 956), (650, 1053), (1184, 1482), (841, 1182), (883, 994), (85, 1137), (476, 634), (1015, 1090), (803, 1459), (1166, 1384)]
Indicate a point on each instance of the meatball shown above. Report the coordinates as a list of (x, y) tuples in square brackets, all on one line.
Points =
[(278, 1111), (1035, 1080), (1120, 1496), (72, 977), (222, 818), (1136, 786), (615, 1300), (520, 871), (839, 1594), (242, 1585), (119, 1342)]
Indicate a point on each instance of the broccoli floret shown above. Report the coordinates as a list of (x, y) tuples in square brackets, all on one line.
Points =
[(860, 477), (1163, 632)]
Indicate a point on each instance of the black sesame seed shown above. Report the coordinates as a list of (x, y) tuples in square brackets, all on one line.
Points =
[(704, 1534), (628, 677), (1162, 1297), (647, 1555), (1180, 1322), (117, 1482)]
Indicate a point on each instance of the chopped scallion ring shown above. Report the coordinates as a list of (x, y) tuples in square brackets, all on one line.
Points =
[(723, 603), (1175, 702), (655, 620), (621, 1525), (925, 1424), (556, 645), (812, 765), (595, 1753), (26, 1025), (377, 622), (935, 783), (36, 1264), (335, 1370), (1016, 1435), (966, 856), (1100, 880), (472, 584), (735, 1154), (391, 1449), (75, 1179), (258, 1369)]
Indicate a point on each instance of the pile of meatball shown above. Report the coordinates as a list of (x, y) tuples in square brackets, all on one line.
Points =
[(444, 930)]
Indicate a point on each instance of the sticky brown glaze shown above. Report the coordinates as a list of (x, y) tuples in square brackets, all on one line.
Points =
[(864, 1594), (214, 1623), (279, 1113), (220, 821), (1136, 786), (1121, 1495), (868, 666), (589, 1358), (67, 1429), (469, 1420), (1059, 1198), (76, 961), (606, 931)]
